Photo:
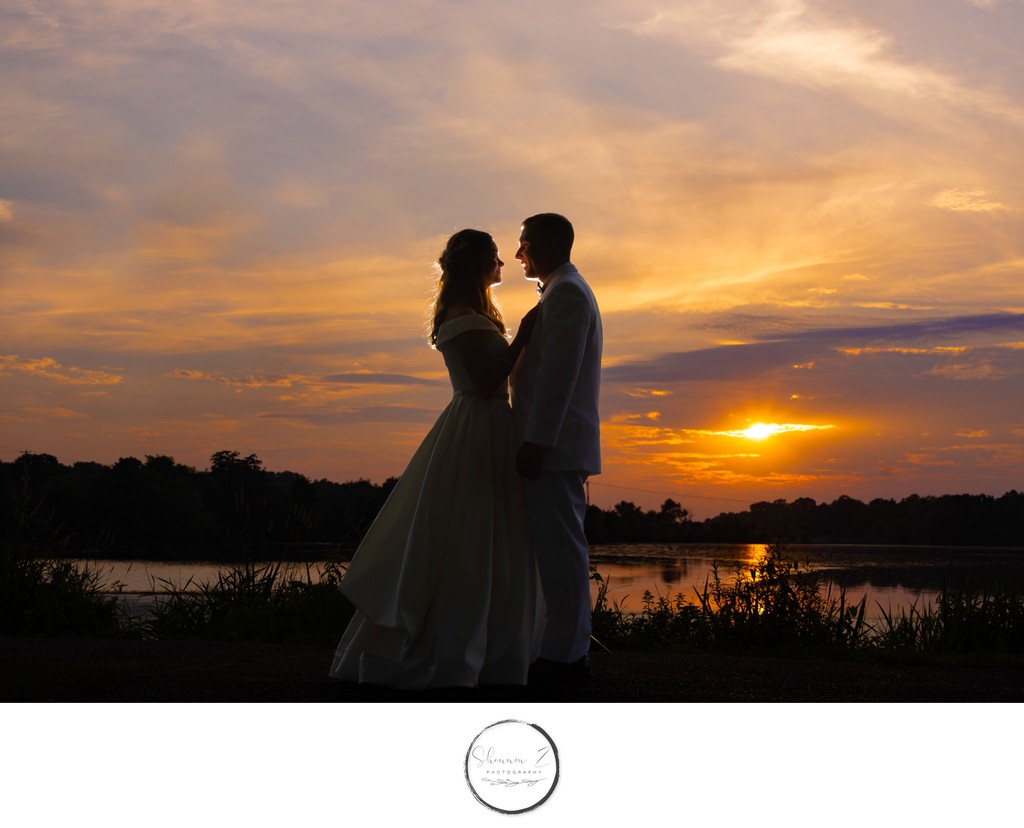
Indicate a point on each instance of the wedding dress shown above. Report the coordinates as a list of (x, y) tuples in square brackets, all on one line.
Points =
[(445, 584)]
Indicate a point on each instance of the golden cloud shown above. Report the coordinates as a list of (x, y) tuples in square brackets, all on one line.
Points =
[(969, 201), (49, 368), (244, 380), (648, 392), (622, 434), (969, 371), (926, 459), (56, 413), (942, 349), (761, 431), (790, 41)]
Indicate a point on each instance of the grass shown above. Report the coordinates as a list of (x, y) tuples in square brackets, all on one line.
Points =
[(253, 602), (776, 605), (959, 622), (779, 605), (41, 595)]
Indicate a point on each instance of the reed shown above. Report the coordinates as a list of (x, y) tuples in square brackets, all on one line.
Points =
[(959, 622), (252, 601), (42, 595), (780, 605), (776, 604)]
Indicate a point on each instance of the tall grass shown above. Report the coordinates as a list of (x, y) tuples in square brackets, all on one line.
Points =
[(775, 604), (41, 595), (253, 602), (780, 605), (959, 622), (663, 623), (779, 602)]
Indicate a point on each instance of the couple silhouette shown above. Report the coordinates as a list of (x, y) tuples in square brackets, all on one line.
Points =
[(476, 570)]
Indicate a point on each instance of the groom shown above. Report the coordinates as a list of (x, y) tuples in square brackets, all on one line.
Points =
[(555, 391)]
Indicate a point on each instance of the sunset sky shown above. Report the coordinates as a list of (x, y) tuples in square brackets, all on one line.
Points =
[(804, 222)]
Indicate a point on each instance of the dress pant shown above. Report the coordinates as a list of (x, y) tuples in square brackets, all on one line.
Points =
[(556, 503)]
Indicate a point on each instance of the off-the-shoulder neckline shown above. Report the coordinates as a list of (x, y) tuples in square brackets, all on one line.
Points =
[(473, 315)]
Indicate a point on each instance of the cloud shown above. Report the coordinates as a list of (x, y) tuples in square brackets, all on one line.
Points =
[(648, 393), (970, 201), (974, 370), (761, 431), (259, 380), (49, 368), (794, 42), (730, 363), (892, 349), (55, 413), (6, 210), (365, 414), (371, 378), (926, 459)]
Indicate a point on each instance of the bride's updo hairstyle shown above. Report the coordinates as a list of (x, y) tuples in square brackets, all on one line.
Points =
[(466, 259)]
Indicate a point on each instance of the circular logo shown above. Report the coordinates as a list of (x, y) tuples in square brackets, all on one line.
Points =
[(512, 766)]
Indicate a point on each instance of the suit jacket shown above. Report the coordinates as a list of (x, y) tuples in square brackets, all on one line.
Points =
[(556, 383)]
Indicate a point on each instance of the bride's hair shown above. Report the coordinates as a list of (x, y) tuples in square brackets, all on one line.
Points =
[(468, 255)]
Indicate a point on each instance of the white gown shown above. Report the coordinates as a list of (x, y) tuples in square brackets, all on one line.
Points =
[(445, 583)]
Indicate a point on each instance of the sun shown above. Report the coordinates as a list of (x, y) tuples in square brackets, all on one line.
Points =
[(760, 431)]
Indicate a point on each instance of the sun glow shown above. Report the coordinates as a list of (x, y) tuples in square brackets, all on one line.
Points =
[(762, 431)]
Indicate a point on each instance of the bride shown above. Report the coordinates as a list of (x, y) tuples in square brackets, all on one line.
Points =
[(445, 583)]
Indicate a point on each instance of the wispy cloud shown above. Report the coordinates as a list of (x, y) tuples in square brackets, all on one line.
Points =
[(974, 370), (762, 431), (970, 201), (371, 378), (364, 414), (892, 349), (735, 362), (49, 368), (244, 381), (795, 42), (55, 413)]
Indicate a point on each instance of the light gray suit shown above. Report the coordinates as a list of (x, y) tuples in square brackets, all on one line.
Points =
[(555, 389)]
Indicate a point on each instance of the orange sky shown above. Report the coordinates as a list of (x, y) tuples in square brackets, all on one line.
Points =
[(218, 223)]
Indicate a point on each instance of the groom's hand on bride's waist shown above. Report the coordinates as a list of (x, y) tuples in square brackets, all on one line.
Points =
[(528, 460)]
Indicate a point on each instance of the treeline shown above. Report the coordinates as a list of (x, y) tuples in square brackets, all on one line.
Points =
[(237, 509), (953, 520)]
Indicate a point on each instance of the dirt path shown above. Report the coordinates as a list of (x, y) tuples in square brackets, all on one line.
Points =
[(70, 670)]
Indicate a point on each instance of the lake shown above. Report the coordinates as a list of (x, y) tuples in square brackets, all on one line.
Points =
[(892, 577)]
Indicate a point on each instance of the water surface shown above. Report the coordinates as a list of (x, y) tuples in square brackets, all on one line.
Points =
[(892, 577)]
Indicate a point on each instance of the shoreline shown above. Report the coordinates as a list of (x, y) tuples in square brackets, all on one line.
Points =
[(130, 670)]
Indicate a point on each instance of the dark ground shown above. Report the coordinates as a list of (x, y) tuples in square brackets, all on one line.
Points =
[(73, 670)]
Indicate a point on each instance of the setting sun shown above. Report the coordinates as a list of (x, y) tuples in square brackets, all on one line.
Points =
[(762, 431)]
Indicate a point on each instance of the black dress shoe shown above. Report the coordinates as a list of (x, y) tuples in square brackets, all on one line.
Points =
[(545, 671)]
